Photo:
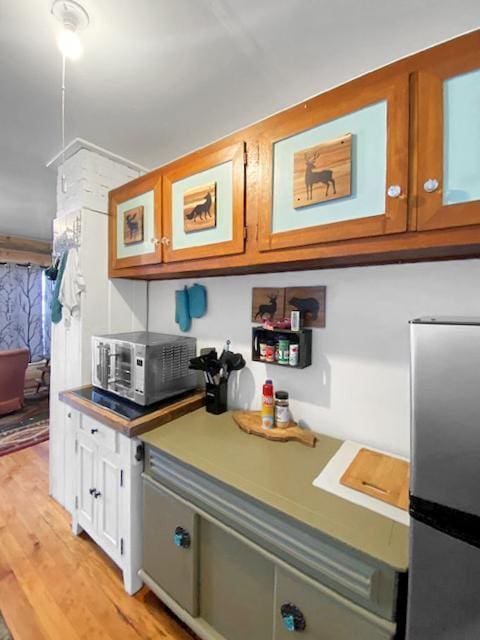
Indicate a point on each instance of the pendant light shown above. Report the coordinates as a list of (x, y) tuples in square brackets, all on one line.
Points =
[(73, 18)]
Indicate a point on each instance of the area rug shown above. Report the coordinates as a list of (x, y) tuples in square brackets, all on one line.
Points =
[(25, 428), (4, 632)]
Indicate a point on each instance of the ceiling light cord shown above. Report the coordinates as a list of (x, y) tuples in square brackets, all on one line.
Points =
[(63, 180)]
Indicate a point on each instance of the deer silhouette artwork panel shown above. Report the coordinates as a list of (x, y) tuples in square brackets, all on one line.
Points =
[(323, 172), (200, 207), (267, 304), (133, 226)]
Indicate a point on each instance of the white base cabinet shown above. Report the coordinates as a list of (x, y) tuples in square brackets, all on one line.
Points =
[(108, 494)]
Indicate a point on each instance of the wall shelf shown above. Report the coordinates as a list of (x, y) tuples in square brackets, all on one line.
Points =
[(303, 338)]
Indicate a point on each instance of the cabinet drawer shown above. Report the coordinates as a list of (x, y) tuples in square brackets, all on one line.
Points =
[(323, 614), (99, 433), (170, 545)]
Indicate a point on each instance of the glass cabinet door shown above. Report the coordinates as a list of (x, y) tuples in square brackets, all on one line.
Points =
[(203, 204), (135, 222), (448, 185), (336, 167)]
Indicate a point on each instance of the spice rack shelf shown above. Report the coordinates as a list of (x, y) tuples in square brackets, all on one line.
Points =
[(303, 338)]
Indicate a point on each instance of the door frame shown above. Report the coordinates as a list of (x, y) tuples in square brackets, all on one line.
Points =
[(149, 182), (325, 108), (188, 166)]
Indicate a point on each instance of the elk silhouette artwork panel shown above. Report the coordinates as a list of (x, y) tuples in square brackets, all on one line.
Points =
[(133, 226), (323, 172), (200, 207), (267, 304)]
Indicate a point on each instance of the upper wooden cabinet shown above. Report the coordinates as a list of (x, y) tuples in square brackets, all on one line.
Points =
[(204, 205), (382, 169), (135, 223), (337, 168), (448, 141)]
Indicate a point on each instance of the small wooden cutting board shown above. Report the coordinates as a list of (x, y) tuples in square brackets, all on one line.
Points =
[(251, 422), (380, 476)]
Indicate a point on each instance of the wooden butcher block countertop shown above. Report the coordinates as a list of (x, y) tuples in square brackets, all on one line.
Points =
[(160, 415)]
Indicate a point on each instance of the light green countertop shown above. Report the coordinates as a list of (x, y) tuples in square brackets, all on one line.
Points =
[(280, 474)]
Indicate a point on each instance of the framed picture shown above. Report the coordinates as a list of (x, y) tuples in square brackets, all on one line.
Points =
[(203, 204), (200, 207), (310, 301), (133, 225), (268, 304), (325, 167)]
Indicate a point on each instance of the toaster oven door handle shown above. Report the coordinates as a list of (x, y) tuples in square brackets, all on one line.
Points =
[(103, 364)]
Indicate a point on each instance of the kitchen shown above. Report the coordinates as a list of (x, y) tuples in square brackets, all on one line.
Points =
[(232, 532)]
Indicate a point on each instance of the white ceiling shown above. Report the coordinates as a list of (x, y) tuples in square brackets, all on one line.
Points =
[(162, 77)]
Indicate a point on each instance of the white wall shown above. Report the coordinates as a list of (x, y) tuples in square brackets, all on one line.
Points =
[(358, 384)]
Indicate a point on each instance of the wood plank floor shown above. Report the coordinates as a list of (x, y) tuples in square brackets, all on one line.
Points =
[(54, 585)]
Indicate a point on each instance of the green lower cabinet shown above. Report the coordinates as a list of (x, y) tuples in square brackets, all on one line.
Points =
[(170, 546), (317, 613), (236, 592)]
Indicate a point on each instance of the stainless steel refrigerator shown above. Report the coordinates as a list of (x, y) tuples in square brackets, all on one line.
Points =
[(444, 576)]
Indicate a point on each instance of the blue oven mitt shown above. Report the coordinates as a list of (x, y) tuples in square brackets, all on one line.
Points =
[(197, 300), (182, 312)]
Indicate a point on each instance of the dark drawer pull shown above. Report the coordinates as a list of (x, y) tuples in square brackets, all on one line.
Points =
[(293, 618), (92, 491), (92, 431), (181, 538)]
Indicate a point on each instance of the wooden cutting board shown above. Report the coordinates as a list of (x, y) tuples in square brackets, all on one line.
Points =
[(251, 422), (380, 476)]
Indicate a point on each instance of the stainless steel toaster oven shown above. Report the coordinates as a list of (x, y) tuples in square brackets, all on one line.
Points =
[(143, 367)]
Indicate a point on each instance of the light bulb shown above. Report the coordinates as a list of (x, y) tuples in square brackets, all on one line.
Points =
[(69, 44)]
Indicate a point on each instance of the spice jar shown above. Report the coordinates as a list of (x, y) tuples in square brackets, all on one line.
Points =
[(270, 351), (282, 411), (283, 350)]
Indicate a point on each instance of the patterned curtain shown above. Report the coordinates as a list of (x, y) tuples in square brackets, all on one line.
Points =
[(23, 310)]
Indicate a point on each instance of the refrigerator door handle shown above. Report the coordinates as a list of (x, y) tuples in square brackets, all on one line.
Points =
[(453, 522)]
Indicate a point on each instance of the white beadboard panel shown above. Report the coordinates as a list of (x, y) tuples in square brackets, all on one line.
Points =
[(358, 385), (106, 306)]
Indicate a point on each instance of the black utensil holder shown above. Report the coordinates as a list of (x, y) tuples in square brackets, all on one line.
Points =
[(216, 397)]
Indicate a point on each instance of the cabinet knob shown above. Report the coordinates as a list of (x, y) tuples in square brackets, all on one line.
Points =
[(156, 241), (430, 185), (93, 431), (69, 415), (181, 538), (293, 619), (165, 241), (394, 191), (92, 491), (97, 494)]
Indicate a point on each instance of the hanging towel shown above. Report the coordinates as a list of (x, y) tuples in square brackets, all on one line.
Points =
[(182, 313), (197, 300), (72, 285), (56, 307)]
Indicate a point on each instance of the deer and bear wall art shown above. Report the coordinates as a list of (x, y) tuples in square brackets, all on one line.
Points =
[(270, 303)]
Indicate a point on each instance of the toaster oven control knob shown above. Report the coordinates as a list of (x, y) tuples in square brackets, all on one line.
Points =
[(181, 538), (293, 619)]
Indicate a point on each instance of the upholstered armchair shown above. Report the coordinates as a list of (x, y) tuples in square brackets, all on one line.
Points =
[(13, 365)]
